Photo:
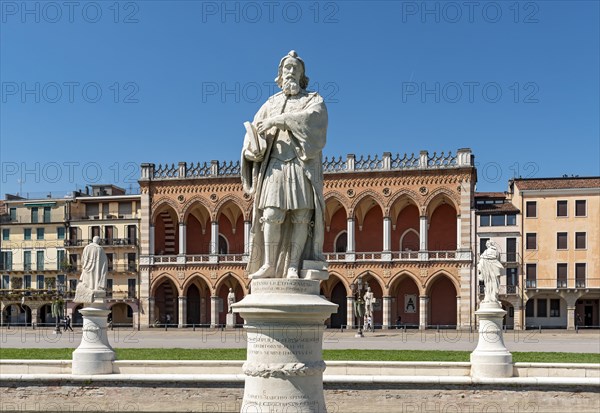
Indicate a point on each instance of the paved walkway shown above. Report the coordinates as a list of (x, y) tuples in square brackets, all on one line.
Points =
[(587, 341)]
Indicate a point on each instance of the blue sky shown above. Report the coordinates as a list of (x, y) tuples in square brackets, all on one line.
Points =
[(92, 89)]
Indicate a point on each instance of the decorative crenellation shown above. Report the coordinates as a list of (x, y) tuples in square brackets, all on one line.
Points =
[(387, 162)]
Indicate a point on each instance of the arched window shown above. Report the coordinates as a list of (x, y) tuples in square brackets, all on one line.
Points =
[(341, 242), (223, 245), (409, 241)]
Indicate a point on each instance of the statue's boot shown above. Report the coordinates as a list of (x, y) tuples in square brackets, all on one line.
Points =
[(299, 235), (272, 236)]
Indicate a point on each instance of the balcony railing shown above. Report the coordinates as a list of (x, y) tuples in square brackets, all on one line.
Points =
[(335, 256), (84, 217), (561, 283), (120, 295), (579, 283), (329, 256), (405, 256), (103, 241), (502, 289), (507, 257), (129, 267), (442, 255), (530, 283)]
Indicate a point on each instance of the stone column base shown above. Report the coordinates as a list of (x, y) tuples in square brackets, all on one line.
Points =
[(284, 367), (491, 357), (94, 354)]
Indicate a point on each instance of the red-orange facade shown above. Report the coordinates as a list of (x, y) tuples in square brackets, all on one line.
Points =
[(401, 223)]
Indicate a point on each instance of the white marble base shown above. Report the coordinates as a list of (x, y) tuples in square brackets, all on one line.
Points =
[(284, 367), (94, 354), (491, 359), (230, 320)]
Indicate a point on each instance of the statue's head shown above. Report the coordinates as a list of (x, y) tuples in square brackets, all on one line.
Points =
[(291, 75), (96, 240), (231, 290)]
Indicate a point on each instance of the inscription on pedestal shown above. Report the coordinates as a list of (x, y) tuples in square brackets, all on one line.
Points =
[(284, 286)]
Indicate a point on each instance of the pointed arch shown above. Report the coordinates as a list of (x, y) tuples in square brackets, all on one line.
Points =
[(225, 280), (198, 279), (166, 229), (165, 204), (401, 276), (333, 203), (435, 276), (165, 276), (436, 197), (198, 208), (231, 226), (231, 207), (334, 278), (409, 240), (376, 198), (368, 215), (400, 200), (442, 290)]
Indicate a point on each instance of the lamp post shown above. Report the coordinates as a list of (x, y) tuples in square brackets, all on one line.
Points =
[(359, 303)]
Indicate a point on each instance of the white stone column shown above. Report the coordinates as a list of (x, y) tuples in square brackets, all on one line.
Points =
[(518, 321), (350, 230), (387, 234), (214, 237), (181, 238), (247, 227), (491, 357), (423, 233), (458, 319), (458, 234), (182, 310), (349, 312), (423, 312), (570, 317), (151, 315), (282, 375), (214, 311), (94, 354), (387, 312)]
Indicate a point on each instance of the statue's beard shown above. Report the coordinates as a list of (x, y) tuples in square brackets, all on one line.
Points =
[(290, 87)]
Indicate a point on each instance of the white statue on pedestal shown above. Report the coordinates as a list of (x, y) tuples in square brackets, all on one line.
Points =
[(230, 301), (369, 301), (489, 270), (94, 265), (282, 166)]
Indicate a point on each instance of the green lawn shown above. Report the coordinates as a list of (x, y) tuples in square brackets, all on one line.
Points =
[(240, 354)]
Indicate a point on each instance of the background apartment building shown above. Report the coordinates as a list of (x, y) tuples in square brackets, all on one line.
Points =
[(33, 258), (42, 243), (560, 224), (108, 212), (498, 220)]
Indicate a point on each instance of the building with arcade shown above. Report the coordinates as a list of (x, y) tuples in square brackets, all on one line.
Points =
[(402, 223)]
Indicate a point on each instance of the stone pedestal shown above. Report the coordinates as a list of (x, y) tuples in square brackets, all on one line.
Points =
[(491, 358), (230, 321), (94, 354), (284, 367)]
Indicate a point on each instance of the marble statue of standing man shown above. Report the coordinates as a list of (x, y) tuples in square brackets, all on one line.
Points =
[(368, 297), (281, 166), (489, 270), (230, 300), (94, 266)]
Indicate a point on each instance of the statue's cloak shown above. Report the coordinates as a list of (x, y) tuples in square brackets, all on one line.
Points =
[(306, 123)]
